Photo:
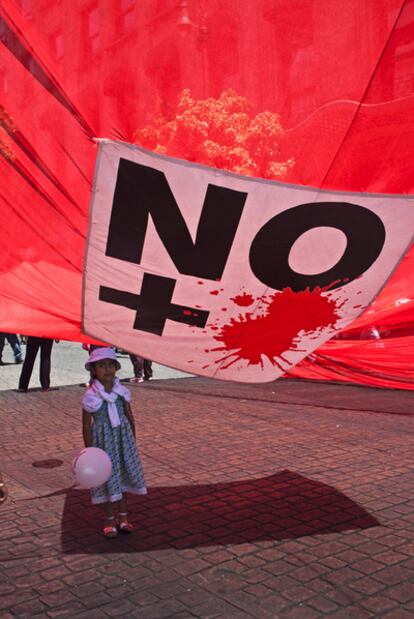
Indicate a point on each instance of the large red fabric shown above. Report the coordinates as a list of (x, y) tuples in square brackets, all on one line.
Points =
[(338, 75)]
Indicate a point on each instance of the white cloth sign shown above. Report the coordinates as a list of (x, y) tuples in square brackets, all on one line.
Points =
[(228, 276)]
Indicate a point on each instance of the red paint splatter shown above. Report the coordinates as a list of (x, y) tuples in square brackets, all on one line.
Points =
[(198, 306), (224, 309), (187, 312), (244, 300), (276, 331), (214, 292), (200, 283)]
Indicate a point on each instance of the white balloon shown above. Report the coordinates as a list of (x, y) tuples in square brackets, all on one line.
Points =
[(92, 467)]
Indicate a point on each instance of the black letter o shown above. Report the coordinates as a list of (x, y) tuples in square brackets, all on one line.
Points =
[(271, 246)]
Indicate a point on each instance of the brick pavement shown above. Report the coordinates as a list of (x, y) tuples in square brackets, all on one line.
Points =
[(291, 499)]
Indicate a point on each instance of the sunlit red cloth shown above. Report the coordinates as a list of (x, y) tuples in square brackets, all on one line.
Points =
[(337, 76)]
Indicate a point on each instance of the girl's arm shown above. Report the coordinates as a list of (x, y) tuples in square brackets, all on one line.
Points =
[(87, 428), (130, 416)]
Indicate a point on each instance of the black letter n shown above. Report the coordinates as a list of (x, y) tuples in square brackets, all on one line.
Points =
[(141, 191)]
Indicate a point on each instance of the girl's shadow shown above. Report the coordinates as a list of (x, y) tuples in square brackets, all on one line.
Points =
[(282, 506)]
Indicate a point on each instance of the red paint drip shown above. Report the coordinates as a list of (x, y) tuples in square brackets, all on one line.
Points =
[(214, 292), (276, 331), (244, 300), (187, 312)]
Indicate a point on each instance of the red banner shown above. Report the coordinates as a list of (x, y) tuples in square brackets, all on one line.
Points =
[(318, 94)]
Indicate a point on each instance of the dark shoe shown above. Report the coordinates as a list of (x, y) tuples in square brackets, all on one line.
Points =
[(2, 362), (18, 359), (148, 378)]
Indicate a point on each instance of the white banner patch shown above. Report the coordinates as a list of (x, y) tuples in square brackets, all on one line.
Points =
[(228, 276)]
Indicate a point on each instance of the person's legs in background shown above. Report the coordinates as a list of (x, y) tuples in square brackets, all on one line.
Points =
[(46, 345), (32, 346), (138, 365), (15, 344), (2, 338), (147, 369)]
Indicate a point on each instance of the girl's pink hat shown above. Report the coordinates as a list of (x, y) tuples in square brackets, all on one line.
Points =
[(102, 353)]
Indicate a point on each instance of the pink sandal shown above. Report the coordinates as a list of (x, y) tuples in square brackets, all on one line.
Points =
[(124, 525), (110, 530)]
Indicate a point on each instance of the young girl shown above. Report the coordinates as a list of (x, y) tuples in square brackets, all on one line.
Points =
[(108, 423)]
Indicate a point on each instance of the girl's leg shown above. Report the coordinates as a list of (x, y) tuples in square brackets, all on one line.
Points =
[(109, 509), (124, 525), (110, 529), (123, 505)]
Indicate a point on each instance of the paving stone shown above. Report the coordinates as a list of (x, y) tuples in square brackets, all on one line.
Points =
[(10, 600), (402, 592), (379, 603), (399, 613), (323, 605), (300, 612), (66, 610), (64, 596), (29, 609), (160, 610), (91, 614), (352, 612)]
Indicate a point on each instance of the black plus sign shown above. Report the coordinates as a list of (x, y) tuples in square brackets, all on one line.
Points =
[(153, 305)]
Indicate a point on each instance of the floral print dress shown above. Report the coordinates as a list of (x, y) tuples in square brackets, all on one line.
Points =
[(119, 443)]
